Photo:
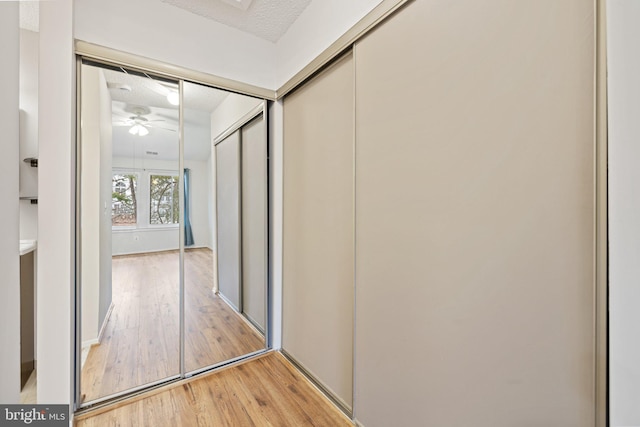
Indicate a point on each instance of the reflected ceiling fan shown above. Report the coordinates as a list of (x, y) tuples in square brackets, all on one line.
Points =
[(138, 124)]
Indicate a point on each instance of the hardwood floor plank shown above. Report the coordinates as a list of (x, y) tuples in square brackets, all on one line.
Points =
[(141, 344), (215, 331), (267, 391)]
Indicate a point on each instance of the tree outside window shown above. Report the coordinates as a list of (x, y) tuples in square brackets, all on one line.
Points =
[(164, 201), (124, 210)]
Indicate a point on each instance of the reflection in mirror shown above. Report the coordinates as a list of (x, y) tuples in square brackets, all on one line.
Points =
[(219, 325), (133, 210), (129, 232)]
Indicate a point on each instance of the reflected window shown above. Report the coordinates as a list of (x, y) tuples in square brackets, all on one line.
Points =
[(124, 209), (164, 202)]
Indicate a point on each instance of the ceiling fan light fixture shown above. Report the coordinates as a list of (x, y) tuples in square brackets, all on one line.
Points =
[(173, 98), (138, 130)]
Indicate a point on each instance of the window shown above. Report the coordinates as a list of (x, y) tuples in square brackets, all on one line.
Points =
[(164, 201), (144, 199), (124, 209)]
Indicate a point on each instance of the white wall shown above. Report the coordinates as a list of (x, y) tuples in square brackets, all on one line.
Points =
[(211, 202), (29, 42), (56, 200), (96, 202), (213, 213), (9, 258), (200, 201), (197, 158), (106, 194), (276, 168), (145, 240), (90, 197), (232, 109), (160, 31), (322, 23), (154, 239), (176, 36), (623, 17)]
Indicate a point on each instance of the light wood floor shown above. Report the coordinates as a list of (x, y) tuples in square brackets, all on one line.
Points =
[(28, 394), (141, 345), (267, 391), (214, 332)]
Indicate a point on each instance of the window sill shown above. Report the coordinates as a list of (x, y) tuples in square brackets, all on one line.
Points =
[(146, 229)]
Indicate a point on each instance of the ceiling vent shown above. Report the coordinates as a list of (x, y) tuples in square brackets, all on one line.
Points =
[(119, 86)]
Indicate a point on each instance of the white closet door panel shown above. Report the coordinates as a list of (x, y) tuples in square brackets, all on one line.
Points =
[(318, 228), (474, 215), (228, 209), (254, 221)]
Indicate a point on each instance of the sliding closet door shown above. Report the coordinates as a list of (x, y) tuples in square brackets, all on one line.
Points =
[(254, 221), (128, 240), (228, 209), (165, 170), (474, 215), (214, 332), (318, 228)]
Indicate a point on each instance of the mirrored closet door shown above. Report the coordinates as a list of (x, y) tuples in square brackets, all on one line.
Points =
[(171, 231), (218, 328)]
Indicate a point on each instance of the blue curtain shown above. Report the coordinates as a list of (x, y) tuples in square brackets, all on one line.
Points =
[(188, 234)]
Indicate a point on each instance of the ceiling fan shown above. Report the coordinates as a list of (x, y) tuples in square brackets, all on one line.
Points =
[(138, 124)]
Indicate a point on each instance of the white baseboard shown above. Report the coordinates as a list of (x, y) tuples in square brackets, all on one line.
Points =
[(150, 251), (89, 343), (153, 251), (94, 341), (228, 302), (104, 323), (199, 247)]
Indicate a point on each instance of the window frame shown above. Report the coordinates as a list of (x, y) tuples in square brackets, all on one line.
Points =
[(121, 171), (143, 199), (177, 184)]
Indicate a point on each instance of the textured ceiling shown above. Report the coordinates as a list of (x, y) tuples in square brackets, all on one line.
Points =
[(267, 19), (153, 93)]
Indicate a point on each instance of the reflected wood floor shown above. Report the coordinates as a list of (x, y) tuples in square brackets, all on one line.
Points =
[(141, 345), (266, 391), (214, 332), (28, 394)]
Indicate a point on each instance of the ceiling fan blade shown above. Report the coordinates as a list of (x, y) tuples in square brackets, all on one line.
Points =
[(120, 114), (168, 117), (163, 128)]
